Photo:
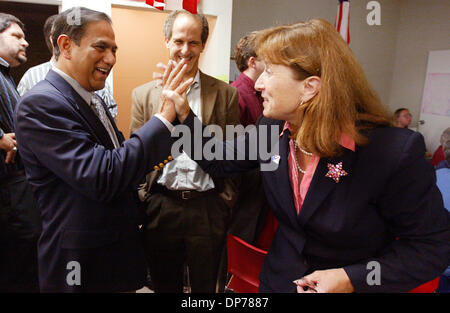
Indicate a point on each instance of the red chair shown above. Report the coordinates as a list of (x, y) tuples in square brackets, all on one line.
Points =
[(428, 287), (244, 263)]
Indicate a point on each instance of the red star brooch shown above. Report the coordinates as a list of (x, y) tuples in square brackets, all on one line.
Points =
[(336, 171)]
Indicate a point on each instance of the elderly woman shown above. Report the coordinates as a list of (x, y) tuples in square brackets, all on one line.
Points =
[(357, 203)]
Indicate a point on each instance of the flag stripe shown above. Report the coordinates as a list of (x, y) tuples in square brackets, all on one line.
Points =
[(190, 5), (342, 23), (160, 5), (340, 18)]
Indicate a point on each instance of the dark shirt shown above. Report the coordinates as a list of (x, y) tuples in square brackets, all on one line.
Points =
[(250, 101), (8, 100)]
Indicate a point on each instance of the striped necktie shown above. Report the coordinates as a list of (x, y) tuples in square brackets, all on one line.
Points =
[(99, 110)]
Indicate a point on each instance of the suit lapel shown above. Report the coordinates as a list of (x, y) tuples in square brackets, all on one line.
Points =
[(209, 95), (321, 186), (280, 183), (80, 105)]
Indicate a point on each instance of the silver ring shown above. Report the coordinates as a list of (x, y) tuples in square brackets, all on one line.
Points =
[(15, 148)]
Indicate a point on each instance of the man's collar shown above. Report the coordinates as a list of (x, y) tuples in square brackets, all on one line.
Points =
[(248, 79), (196, 81), (86, 95), (4, 63)]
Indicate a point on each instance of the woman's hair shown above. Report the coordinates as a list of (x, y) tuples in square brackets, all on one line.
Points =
[(345, 103)]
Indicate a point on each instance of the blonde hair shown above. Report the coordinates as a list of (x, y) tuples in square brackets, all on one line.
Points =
[(345, 103)]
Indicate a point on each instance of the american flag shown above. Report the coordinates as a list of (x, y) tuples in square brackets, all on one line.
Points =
[(157, 4), (342, 23), (188, 5)]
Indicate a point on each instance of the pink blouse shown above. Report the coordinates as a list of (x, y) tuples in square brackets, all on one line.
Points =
[(300, 191)]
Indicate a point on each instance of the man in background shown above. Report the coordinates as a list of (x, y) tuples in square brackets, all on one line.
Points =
[(189, 211), (402, 118), (250, 101), (20, 224), (37, 73), (251, 213)]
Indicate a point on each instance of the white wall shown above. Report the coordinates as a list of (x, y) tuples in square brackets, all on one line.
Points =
[(215, 59), (423, 26), (373, 46), (393, 54), (102, 6)]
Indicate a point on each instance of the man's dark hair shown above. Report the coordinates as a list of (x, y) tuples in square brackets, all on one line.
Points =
[(73, 23), (48, 31), (398, 111), (244, 49), (7, 19), (168, 24)]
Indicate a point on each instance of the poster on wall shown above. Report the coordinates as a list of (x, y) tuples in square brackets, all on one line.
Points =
[(436, 94), (435, 111)]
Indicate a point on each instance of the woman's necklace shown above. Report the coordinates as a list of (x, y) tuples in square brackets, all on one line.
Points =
[(296, 146)]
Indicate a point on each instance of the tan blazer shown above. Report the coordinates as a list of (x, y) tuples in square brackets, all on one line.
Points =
[(219, 106)]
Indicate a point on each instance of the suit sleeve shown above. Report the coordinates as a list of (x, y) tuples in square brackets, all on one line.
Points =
[(413, 210), (218, 158), (233, 108), (52, 135), (137, 112)]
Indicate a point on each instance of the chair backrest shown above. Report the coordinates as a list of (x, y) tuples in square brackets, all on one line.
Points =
[(244, 263), (428, 287)]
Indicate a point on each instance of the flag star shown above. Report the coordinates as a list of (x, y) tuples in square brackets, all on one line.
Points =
[(335, 171)]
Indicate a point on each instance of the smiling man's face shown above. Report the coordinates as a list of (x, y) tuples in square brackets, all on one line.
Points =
[(186, 42), (92, 60)]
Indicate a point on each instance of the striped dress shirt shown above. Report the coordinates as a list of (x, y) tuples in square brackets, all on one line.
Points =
[(8, 100)]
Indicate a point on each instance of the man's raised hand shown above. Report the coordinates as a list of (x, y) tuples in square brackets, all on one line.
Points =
[(173, 98)]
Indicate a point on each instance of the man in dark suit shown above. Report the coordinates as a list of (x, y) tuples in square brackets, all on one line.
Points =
[(84, 175), (19, 220)]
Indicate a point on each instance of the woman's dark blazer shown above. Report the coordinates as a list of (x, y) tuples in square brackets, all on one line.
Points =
[(385, 217)]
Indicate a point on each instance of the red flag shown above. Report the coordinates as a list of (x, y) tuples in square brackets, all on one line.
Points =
[(157, 4), (190, 5), (342, 23)]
